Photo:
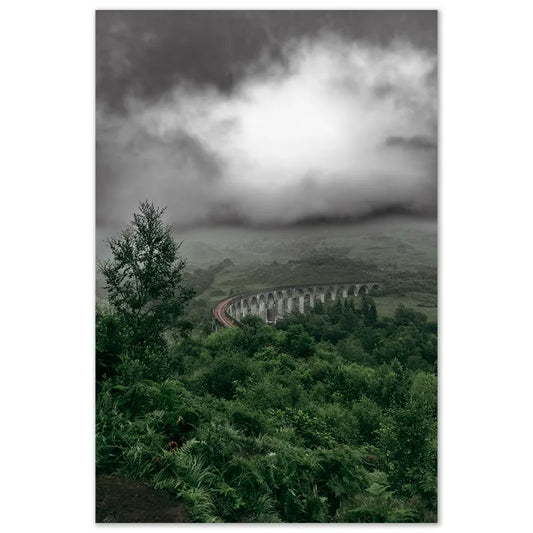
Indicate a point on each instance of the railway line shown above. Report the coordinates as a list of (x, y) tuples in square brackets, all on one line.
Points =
[(220, 314)]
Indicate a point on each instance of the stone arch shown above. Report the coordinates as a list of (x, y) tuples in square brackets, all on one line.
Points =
[(245, 307), (254, 305), (307, 301), (280, 304), (320, 293), (291, 300), (262, 303), (352, 290), (312, 295), (270, 307), (363, 289), (374, 287), (299, 295)]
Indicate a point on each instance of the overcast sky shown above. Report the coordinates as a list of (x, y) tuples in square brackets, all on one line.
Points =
[(265, 118)]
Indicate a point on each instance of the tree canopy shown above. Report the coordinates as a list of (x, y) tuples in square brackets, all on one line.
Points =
[(144, 279)]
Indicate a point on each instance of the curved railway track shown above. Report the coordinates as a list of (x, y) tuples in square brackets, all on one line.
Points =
[(220, 314)]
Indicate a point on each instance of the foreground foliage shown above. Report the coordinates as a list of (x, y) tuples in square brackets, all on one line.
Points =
[(330, 416)]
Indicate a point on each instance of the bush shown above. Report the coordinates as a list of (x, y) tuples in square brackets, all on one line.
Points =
[(298, 342), (226, 373), (270, 424)]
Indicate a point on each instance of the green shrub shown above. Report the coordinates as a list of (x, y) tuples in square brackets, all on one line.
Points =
[(268, 393), (279, 425), (226, 373), (252, 423)]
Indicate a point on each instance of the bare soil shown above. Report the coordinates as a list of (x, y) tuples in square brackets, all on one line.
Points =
[(125, 500)]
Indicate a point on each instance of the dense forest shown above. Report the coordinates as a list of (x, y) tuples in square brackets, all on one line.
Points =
[(326, 416)]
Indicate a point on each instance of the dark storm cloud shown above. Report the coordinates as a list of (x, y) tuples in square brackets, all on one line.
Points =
[(265, 118), (147, 52), (175, 170)]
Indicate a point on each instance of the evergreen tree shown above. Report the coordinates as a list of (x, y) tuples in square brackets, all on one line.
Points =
[(144, 280)]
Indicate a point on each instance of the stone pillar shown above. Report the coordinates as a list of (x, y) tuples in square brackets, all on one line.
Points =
[(301, 301), (290, 304), (279, 308), (312, 299), (243, 309), (322, 295), (262, 311)]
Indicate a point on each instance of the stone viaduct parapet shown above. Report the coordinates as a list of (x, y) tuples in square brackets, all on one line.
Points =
[(271, 304)]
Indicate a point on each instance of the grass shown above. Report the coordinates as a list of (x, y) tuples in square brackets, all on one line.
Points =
[(241, 279), (421, 302)]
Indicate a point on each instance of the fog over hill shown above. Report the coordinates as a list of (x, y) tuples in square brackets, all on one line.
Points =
[(386, 240)]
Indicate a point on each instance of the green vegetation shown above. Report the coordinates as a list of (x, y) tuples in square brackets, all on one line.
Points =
[(329, 416), (413, 288), (146, 293)]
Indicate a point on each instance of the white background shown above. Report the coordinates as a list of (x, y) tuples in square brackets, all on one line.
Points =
[(47, 222)]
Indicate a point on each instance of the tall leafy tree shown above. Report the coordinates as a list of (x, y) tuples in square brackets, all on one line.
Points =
[(144, 280)]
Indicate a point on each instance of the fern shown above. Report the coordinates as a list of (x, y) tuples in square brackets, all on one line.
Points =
[(262, 508), (138, 461), (199, 504)]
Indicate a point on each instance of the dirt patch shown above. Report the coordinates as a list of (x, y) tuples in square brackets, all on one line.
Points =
[(122, 500)]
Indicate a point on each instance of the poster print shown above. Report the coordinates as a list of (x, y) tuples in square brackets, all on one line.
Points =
[(266, 287)]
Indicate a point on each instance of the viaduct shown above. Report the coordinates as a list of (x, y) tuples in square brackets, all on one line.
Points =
[(273, 303)]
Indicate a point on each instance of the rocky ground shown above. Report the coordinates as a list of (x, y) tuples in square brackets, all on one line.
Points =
[(127, 500)]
